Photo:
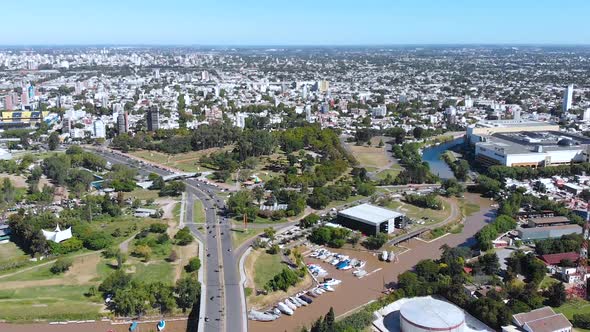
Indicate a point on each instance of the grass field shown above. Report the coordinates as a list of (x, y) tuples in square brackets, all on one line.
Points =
[(370, 156), (153, 272), (54, 302), (238, 236), (266, 266), (188, 162), (394, 171), (10, 251), (415, 212), (574, 307), (199, 212), (142, 194), (38, 273)]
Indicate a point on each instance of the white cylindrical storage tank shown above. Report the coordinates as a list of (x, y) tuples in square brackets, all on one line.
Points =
[(426, 314)]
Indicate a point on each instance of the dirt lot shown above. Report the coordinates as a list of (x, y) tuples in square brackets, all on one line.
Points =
[(353, 293), (171, 326), (17, 180)]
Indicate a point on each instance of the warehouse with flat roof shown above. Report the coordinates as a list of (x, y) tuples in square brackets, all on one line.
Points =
[(370, 219), (549, 232)]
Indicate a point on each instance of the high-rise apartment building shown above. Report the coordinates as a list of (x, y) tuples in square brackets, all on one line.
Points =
[(153, 118), (567, 97), (122, 123)]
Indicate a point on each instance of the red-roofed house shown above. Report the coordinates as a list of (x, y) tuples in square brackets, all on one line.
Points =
[(568, 273)]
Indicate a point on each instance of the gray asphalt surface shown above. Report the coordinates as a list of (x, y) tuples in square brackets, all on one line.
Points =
[(223, 307)]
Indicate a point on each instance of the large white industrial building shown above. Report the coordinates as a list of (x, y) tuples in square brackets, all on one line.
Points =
[(370, 219), (526, 143)]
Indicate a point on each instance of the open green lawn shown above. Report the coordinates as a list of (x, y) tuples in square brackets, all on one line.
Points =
[(188, 162), (394, 171), (239, 236), (142, 194), (50, 302), (574, 307), (38, 273), (10, 251), (125, 225), (266, 267), (369, 156), (199, 212), (418, 213), (153, 272)]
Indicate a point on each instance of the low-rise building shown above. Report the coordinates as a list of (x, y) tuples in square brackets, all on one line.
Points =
[(539, 320), (548, 221), (370, 219), (549, 232)]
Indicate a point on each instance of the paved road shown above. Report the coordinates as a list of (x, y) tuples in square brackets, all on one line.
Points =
[(223, 305)]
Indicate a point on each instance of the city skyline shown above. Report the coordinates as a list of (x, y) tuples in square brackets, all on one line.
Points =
[(305, 23)]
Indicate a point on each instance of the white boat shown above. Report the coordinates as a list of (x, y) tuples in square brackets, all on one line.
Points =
[(303, 303), (319, 291), (360, 265), (290, 304), (347, 267), (276, 311), (333, 282), (261, 316), (335, 261), (384, 255), (360, 274), (295, 302), (327, 288), (391, 256), (285, 309)]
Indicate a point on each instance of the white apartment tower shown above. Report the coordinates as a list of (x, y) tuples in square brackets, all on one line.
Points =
[(567, 97)]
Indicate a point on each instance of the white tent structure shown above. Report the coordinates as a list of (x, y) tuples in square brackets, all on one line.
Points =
[(57, 235)]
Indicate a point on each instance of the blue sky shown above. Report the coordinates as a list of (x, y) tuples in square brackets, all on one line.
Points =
[(294, 22)]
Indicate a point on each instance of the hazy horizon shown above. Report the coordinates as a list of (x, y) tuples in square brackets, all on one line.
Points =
[(271, 23)]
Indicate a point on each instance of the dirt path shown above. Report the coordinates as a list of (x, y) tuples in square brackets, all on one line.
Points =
[(42, 264), (124, 246)]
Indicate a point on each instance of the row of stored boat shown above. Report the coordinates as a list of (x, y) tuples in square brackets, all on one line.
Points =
[(340, 261), (290, 305)]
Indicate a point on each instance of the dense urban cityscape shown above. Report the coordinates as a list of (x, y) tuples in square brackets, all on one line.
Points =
[(318, 188)]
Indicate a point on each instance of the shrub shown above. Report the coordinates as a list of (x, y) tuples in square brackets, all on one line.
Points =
[(67, 246), (183, 237), (61, 265), (143, 251), (97, 241), (582, 320), (194, 264), (309, 221), (375, 242), (158, 228), (284, 279), (173, 256)]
